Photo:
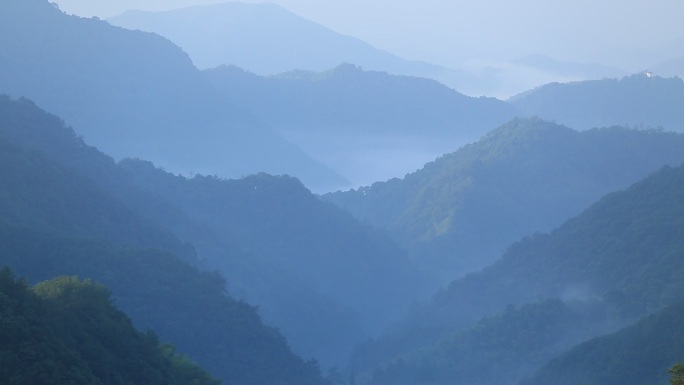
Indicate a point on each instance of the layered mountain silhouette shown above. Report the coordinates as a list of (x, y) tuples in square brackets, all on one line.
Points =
[(458, 213), (267, 39), (132, 93), (611, 265), (640, 100), (368, 125), (56, 220), (323, 278)]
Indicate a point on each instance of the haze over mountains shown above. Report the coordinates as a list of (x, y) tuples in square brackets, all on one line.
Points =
[(528, 234), (136, 94), (233, 33)]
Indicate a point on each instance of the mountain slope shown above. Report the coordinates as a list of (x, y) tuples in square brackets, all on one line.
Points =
[(625, 251), (634, 100), (639, 354), (459, 213), (323, 278), (358, 121), (68, 331), (136, 94)]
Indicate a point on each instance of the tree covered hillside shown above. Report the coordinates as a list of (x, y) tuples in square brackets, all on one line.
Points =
[(460, 212), (315, 272), (68, 331), (56, 221), (637, 100), (624, 252), (640, 354)]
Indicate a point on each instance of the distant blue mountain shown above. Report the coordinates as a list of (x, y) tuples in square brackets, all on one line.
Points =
[(267, 39), (135, 94), (369, 125), (635, 100)]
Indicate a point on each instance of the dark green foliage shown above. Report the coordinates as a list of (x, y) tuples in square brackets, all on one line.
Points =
[(640, 354), (168, 296), (677, 374), (460, 212), (635, 100), (66, 331)]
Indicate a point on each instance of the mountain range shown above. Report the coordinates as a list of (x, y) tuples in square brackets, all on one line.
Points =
[(135, 94), (638, 100), (460, 212), (367, 125), (538, 251), (266, 39), (621, 257)]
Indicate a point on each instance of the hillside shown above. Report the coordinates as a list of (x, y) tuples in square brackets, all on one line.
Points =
[(636, 100), (325, 280), (460, 212), (624, 252), (135, 94), (55, 221), (369, 125), (68, 331), (640, 354)]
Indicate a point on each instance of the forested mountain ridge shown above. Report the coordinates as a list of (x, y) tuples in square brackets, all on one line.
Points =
[(302, 261), (56, 221), (359, 121), (624, 253), (636, 100), (68, 331), (459, 213), (639, 354), (132, 93)]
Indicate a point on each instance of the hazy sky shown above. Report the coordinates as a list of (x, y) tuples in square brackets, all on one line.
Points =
[(623, 33)]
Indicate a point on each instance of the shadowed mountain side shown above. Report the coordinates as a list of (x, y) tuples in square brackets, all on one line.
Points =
[(369, 125), (315, 272), (68, 331), (637, 100), (54, 221), (132, 93), (460, 212), (293, 231), (640, 354), (625, 251)]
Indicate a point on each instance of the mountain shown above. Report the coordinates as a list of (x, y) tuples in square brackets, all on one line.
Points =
[(267, 39), (639, 354), (68, 331), (368, 125), (637, 100), (56, 221), (568, 69), (459, 213), (131, 93), (297, 244), (324, 279), (623, 253), (669, 68)]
